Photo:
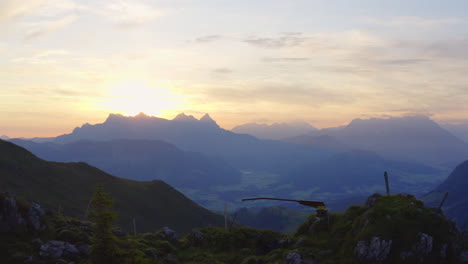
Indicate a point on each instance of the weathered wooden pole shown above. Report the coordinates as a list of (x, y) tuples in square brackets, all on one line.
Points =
[(442, 202), (386, 183)]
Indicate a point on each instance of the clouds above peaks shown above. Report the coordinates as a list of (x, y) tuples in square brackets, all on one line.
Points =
[(38, 29), (128, 14), (209, 38), (276, 93), (413, 21), (275, 42), (11, 9), (284, 59), (38, 17), (222, 70)]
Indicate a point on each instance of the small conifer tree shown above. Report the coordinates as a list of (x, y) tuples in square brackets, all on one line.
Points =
[(104, 248)]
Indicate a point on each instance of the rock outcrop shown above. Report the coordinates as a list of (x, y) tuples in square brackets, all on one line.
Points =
[(168, 234), (19, 217), (58, 249), (376, 250)]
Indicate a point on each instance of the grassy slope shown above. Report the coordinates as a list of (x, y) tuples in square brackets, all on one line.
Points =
[(70, 185), (398, 218)]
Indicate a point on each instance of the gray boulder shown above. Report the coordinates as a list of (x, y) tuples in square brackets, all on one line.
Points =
[(168, 234), (293, 258), (10, 216), (377, 250), (13, 218), (34, 217), (57, 249), (423, 247)]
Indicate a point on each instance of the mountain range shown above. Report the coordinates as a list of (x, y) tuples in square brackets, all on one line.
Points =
[(213, 165), (274, 131), (412, 138), (69, 186), (204, 136)]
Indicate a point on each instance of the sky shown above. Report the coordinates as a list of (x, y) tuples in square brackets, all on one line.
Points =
[(64, 62)]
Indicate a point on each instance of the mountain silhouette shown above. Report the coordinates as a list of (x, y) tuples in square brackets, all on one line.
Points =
[(204, 136), (274, 131), (412, 138)]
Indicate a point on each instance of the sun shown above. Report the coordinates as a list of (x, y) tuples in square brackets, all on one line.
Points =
[(132, 97)]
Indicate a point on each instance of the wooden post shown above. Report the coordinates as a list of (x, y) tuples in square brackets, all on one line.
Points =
[(442, 202), (386, 183), (134, 227), (225, 216)]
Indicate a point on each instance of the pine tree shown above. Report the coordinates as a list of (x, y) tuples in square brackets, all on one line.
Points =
[(104, 248)]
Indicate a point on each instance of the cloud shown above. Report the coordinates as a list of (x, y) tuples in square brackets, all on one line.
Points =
[(278, 93), (42, 57), (39, 9), (45, 27), (402, 61), (128, 14), (209, 38), (61, 92), (39, 17), (283, 41), (11, 9), (284, 59), (222, 71), (413, 21)]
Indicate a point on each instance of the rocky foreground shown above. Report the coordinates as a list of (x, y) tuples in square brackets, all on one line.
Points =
[(387, 229)]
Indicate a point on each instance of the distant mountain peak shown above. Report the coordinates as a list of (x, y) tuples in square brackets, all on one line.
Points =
[(4, 137), (114, 117), (184, 117), (142, 115), (207, 118), (413, 120)]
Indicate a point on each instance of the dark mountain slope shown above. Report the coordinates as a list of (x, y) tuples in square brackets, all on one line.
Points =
[(142, 160), (456, 205), (70, 185)]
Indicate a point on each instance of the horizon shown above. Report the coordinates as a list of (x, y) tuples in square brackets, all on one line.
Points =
[(69, 62), (199, 116)]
